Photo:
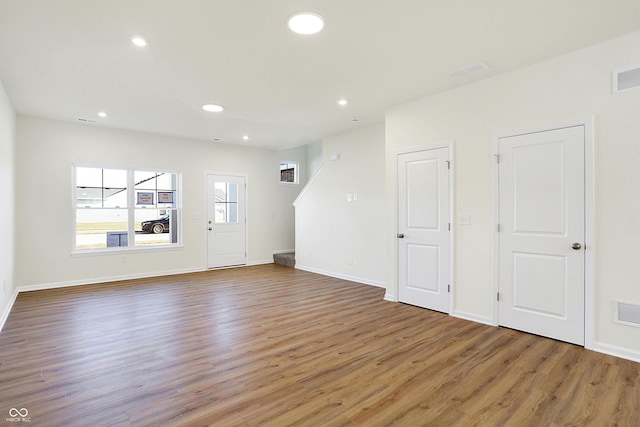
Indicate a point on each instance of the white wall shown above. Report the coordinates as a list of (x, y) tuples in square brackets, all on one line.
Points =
[(577, 85), (287, 211), (7, 212), (45, 153), (337, 237), (314, 157)]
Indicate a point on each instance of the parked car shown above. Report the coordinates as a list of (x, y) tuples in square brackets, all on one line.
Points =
[(156, 226)]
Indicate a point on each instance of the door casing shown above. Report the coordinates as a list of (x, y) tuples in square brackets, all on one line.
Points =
[(589, 171)]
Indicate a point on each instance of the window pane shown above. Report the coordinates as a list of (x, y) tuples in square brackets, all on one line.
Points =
[(156, 227), (97, 188), (115, 188), (115, 197), (88, 197), (221, 191), (88, 177), (221, 213), (101, 228), (145, 180), (226, 207), (155, 189), (226, 213), (167, 181), (288, 172), (232, 213), (114, 178)]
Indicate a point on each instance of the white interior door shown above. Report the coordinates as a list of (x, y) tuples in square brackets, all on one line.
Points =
[(226, 224), (423, 229), (542, 233)]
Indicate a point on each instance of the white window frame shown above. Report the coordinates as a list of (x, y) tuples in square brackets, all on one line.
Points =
[(296, 172), (131, 210)]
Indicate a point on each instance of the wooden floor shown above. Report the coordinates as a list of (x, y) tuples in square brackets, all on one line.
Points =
[(274, 346)]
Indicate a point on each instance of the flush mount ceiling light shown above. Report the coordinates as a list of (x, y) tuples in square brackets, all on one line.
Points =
[(102, 114), (306, 23), (213, 108), (246, 137), (342, 102), (138, 41)]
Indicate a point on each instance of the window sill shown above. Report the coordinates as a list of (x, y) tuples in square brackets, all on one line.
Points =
[(124, 250)]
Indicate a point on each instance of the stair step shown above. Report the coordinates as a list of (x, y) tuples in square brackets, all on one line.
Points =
[(287, 259)]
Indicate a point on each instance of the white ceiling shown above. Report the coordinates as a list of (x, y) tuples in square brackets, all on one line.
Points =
[(69, 59)]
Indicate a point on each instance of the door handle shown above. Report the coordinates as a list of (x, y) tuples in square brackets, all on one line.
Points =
[(400, 235), (576, 246), (210, 228)]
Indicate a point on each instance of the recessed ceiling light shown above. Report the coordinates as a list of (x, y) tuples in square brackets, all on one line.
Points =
[(102, 114), (306, 23), (355, 119), (246, 137), (342, 102), (217, 139), (138, 41), (213, 108)]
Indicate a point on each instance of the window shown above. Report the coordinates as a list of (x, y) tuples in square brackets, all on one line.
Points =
[(289, 172), (125, 208), (226, 203)]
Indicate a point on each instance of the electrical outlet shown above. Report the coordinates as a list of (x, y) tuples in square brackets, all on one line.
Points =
[(123, 259), (349, 261)]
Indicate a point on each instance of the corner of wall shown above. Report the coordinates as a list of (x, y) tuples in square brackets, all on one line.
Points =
[(7, 214)]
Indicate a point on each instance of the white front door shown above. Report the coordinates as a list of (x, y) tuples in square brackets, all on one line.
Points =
[(542, 233), (423, 229), (226, 226)]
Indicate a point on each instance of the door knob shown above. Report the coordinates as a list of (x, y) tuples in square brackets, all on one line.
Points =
[(576, 246), (400, 235), (210, 228)]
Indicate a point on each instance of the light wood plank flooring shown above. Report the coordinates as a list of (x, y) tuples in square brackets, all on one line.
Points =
[(274, 346)]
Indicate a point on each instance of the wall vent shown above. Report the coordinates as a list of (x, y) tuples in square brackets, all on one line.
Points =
[(626, 313), (627, 78)]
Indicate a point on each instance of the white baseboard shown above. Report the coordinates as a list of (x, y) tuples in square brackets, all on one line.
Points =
[(7, 309), (260, 262), (283, 251), (473, 317), (54, 285), (390, 297), (342, 276), (613, 350)]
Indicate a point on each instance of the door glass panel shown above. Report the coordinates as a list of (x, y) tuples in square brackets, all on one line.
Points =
[(226, 203)]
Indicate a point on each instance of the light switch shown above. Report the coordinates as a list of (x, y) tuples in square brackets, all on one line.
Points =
[(464, 219), (349, 197)]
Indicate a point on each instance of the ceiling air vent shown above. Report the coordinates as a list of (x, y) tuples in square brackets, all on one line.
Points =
[(469, 69), (626, 313), (625, 79)]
